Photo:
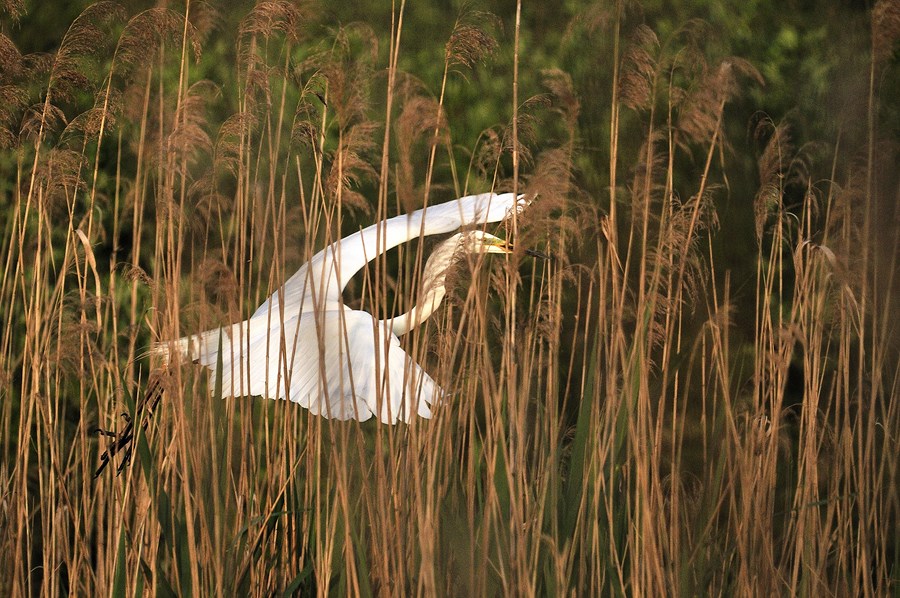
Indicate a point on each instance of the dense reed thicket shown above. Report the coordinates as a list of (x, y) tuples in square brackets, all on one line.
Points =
[(642, 415)]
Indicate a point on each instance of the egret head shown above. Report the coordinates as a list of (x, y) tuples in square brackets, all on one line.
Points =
[(443, 258), (477, 241), (453, 250)]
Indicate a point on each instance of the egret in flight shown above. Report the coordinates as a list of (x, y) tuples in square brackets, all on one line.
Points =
[(305, 345)]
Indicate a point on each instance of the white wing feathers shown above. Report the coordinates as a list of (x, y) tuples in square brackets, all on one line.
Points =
[(352, 375), (331, 269)]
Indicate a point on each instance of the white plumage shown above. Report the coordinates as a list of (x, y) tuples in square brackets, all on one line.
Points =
[(303, 344)]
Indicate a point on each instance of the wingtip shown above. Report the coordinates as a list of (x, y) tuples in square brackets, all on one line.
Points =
[(523, 200)]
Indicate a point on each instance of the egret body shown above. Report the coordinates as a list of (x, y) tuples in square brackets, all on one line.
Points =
[(304, 345)]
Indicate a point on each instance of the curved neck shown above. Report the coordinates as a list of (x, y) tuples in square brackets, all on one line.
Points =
[(420, 312)]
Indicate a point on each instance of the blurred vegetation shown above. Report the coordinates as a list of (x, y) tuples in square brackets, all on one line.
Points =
[(812, 56), (801, 155)]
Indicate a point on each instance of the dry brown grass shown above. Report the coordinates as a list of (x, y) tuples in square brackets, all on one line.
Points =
[(611, 431)]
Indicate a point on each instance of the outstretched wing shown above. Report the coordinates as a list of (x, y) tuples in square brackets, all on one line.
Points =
[(319, 283), (338, 363), (347, 367)]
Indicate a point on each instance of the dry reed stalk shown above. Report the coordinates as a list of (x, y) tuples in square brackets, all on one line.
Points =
[(616, 425)]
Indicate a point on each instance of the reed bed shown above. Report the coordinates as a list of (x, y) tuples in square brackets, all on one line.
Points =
[(625, 419)]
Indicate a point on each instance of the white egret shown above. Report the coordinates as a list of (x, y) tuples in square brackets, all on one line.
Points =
[(304, 345)]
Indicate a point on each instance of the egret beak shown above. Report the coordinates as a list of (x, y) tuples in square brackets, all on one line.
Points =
[(498, 245), (501, 246)]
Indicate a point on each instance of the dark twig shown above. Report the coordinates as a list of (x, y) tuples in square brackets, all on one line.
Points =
[(144, 411)]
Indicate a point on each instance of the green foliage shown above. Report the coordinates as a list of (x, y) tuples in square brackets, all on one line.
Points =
[(695, 396)]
